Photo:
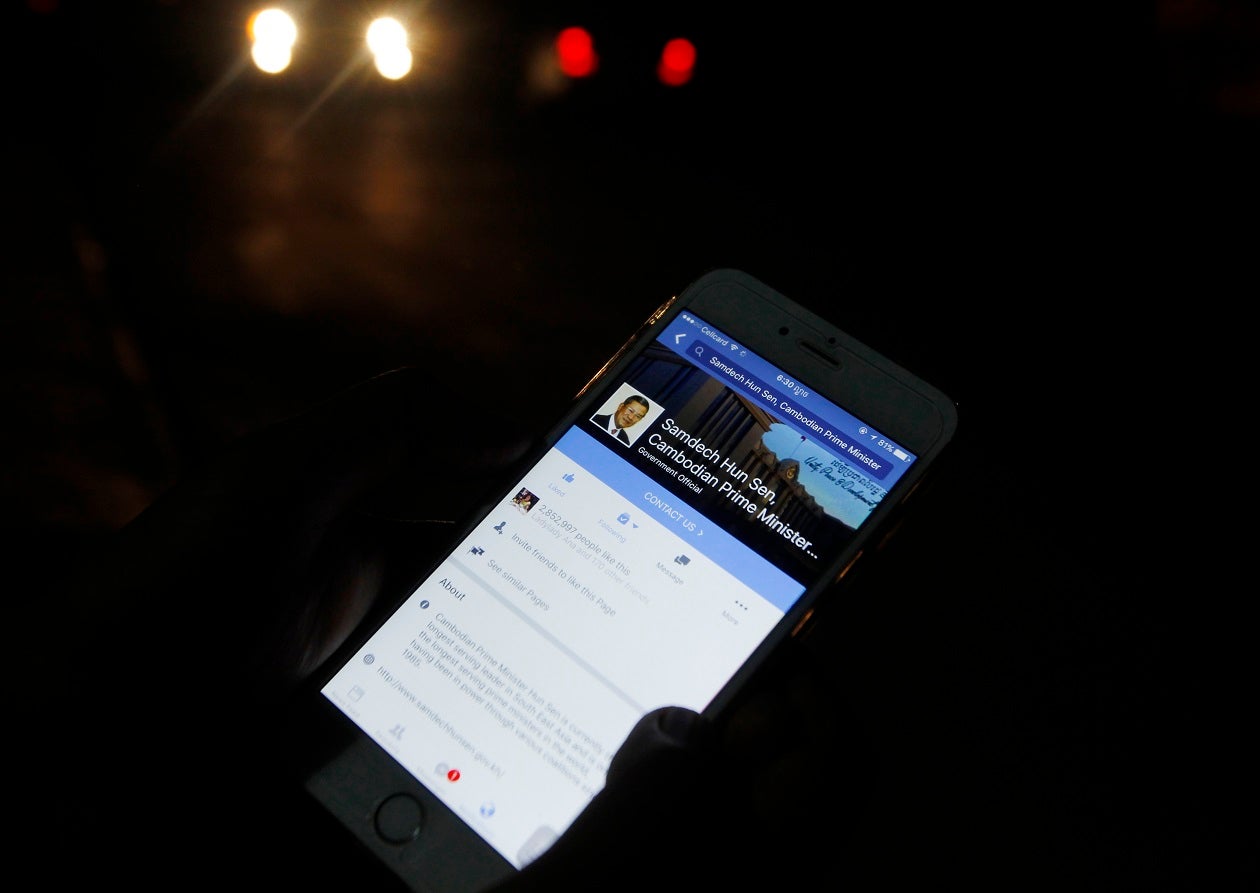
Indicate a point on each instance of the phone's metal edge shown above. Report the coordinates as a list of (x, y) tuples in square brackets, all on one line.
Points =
[(793, 620)]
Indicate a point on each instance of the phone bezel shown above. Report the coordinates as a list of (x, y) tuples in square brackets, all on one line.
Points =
[(349, 774)]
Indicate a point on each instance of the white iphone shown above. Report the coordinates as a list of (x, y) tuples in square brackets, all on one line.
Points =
[(706, 488)]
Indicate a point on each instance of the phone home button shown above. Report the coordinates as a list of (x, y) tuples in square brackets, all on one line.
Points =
[(399, 818)]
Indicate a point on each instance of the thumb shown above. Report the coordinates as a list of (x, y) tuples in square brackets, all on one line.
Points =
[(635, 833)]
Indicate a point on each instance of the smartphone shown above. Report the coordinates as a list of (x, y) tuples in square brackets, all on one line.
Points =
[(706, 488)]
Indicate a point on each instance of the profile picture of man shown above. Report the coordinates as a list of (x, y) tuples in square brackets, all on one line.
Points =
[(626, 414)]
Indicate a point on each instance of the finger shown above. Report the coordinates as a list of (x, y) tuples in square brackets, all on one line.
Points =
[(631, 835)]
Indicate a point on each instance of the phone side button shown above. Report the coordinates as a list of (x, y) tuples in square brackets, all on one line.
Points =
[(399, 818)]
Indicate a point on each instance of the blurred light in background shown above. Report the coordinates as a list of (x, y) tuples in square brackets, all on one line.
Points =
[(575, 52), (677, 62), (576, 57), (272, 33), (387, 39)]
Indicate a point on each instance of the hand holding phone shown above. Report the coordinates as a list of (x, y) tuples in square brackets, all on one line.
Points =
[(676, 526), (693, 565)]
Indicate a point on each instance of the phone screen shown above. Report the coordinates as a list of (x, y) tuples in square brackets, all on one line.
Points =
[(638, 564)]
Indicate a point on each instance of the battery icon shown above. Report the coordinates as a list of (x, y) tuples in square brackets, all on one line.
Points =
[(902, 455)]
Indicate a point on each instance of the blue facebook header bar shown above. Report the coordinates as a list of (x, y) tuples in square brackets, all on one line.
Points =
[(826, 424)]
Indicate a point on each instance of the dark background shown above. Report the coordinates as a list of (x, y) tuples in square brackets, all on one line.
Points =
[(1047, 212)]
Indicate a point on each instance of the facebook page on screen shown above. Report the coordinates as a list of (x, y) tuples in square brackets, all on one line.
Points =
[(637, 565)]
